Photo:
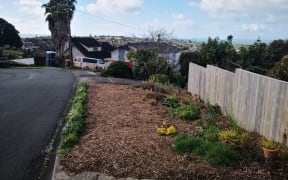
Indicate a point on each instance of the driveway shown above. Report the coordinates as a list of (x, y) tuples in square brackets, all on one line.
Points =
[(89, 76), (32, 105)]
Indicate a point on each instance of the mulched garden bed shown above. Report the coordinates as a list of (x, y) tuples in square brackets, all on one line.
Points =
[(120, 139)]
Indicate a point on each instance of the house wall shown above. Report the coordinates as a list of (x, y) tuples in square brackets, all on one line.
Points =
[(258, 103), (115, 55), (76, 53), (119, 55)]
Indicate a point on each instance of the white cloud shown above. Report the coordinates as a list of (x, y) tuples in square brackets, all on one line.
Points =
[(178, 24), (253, 27), (180, 21), (29, 2), (114, 7), (262, 10), (30, 7)]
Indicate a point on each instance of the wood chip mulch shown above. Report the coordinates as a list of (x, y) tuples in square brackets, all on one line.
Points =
[(120, 139)]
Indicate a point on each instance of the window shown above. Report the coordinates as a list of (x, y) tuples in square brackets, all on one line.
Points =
[(88, 60)]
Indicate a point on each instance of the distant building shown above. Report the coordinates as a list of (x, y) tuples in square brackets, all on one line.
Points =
[(29, 46), (172, 53), (90, 47)]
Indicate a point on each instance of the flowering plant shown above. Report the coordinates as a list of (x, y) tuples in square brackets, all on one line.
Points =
[(163, 130)]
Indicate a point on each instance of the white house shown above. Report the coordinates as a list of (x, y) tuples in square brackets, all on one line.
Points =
[(172, 53)]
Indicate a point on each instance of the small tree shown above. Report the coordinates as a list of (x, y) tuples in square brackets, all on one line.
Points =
[(280, 70), (219, 53), (8, 36), (148, 62), (185, 59)]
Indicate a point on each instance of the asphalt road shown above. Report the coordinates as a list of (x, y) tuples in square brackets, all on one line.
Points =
[(32, 105)]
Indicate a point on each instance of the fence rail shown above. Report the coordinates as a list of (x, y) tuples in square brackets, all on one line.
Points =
[(258, 103)]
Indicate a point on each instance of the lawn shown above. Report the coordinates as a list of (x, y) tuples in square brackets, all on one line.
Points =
[(121, 138)]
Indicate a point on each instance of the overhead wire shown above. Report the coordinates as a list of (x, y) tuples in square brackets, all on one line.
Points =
[(113, 21)]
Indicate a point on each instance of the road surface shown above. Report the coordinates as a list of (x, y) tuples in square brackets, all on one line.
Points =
[(32, 104)]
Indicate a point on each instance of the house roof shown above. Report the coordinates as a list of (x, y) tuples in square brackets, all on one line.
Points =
[(82, 42), (162, 47)]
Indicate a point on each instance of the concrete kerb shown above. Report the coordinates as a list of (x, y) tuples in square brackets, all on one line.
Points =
[(60, 174)]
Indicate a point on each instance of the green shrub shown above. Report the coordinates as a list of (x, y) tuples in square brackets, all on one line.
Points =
[(188, 112), (39, 59), (69, 141), (186, 144), (222, 155), (170, 102), (211, 133), (210, 118), (230, 137), (233, 123), (214, 109), (213, 152), (75, 120), (118, 69), (159, 78)]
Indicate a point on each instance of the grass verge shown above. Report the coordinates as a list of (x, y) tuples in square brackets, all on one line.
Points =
[(75, 120)]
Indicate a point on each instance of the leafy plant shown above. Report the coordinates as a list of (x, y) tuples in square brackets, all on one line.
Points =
[(210, 118), (211, 133), (163, 130), (230, 137), (269, 144), (118, 69), (75, 120), (213, 109), (233, 123), (188, 112), (199, 122), (170, 102), (245, 139), (159, 78)]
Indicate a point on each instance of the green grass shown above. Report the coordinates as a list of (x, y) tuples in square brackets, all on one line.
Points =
[(75, 120), (213, 152), (190, 112), (12, 53)]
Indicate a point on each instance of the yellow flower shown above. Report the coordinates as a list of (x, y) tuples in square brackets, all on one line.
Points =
[(162, 131), (170, 130)]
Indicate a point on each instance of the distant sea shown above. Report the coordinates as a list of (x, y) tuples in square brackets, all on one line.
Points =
[(235, 41)]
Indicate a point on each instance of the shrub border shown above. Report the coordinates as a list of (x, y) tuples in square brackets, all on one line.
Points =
[(75, 120)]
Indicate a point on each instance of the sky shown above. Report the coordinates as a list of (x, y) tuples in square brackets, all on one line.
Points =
[(186, 19)]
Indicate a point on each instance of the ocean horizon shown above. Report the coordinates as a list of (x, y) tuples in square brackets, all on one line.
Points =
[(234, 41)]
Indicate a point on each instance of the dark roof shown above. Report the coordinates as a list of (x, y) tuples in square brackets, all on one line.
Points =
[(162, 47), (90, 42)]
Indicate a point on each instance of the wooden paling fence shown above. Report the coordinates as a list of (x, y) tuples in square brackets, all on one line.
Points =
[(258, 103)]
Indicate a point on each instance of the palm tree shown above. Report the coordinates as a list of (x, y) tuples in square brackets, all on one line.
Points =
[(59, 14)]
